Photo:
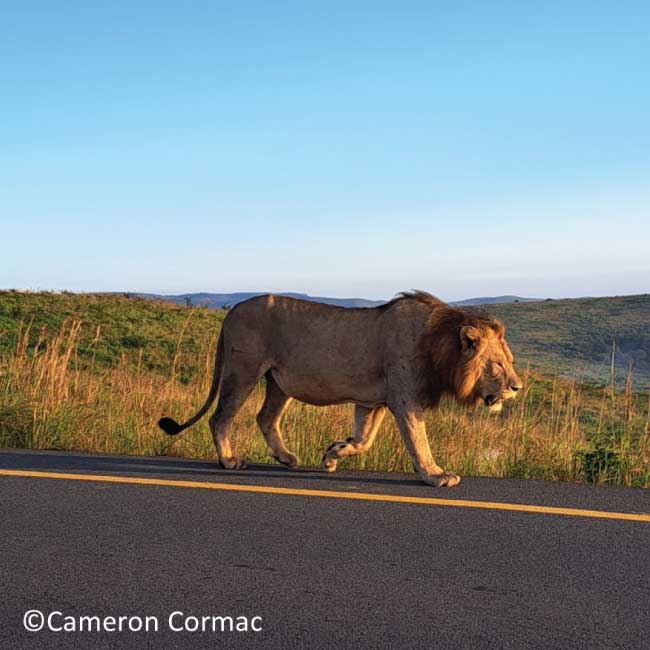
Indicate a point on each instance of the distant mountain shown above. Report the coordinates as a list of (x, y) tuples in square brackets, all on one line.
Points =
[(221, 300), (494, 300)]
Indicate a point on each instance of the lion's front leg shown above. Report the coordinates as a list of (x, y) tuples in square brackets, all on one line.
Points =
[(411, 425), (366, 424)]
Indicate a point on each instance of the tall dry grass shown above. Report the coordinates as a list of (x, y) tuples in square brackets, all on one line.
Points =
[(556, 429)]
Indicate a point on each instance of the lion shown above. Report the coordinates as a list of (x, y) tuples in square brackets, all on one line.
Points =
[(401, 357)]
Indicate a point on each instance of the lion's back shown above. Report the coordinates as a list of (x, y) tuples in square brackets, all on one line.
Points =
[(301, 328), (316, 351)]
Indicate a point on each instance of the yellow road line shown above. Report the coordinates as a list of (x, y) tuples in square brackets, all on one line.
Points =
[(331, 494)]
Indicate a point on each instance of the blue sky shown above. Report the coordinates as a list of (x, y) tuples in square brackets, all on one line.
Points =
[(338, 148)]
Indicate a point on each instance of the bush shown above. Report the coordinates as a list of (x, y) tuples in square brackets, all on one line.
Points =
[(600, 465)]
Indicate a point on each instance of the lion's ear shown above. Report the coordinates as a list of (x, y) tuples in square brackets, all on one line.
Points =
[(470, 337)]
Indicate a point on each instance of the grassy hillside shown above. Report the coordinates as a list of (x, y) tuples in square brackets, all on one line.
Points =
[(575, 337), (569, 337), (112, 328)]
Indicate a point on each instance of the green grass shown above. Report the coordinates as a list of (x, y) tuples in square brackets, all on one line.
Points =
[(575, 337), (113, 328)]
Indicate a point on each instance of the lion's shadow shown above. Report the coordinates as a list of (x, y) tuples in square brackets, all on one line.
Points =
[(76, 462)]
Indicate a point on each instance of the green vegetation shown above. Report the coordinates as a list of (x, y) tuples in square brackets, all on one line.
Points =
[(112, 328), (575, 338), (95, 372)]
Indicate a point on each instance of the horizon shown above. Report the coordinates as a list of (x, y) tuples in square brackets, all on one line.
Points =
[(322, 295), (335, 149)]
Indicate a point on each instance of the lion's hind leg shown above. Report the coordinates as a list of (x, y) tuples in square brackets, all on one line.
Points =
[(366, 424), (235, 389), (269, 418)]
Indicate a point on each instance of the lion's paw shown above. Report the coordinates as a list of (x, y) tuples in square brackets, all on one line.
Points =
[(233, 463), (329, 464), (288, 460), (447, 479)]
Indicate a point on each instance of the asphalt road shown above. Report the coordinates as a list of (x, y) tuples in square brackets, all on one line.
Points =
[(320, 572)]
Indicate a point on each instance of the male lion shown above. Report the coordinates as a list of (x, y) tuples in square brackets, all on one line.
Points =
[(402, 356)]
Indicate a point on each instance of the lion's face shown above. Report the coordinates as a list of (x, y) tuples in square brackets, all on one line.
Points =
[(486, 374)]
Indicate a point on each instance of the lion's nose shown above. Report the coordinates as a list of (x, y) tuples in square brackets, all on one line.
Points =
[(515, 386)]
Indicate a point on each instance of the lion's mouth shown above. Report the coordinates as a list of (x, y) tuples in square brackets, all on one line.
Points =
[(494, 403)]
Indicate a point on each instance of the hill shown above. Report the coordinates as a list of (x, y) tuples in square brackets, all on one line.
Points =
[(572, 338), (113, 327), (494, 300), (575, 337)]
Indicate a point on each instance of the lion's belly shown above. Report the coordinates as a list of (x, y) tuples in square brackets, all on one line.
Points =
[(323, 388)]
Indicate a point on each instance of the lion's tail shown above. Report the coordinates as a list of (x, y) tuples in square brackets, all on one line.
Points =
[(170, 426)]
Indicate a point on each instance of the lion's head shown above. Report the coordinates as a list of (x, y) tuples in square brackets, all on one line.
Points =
[(485, 374), (465, 353)]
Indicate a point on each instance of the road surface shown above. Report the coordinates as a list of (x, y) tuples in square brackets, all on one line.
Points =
[(347, 561)]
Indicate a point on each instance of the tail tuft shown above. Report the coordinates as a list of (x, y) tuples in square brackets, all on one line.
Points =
[(169, 426)]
